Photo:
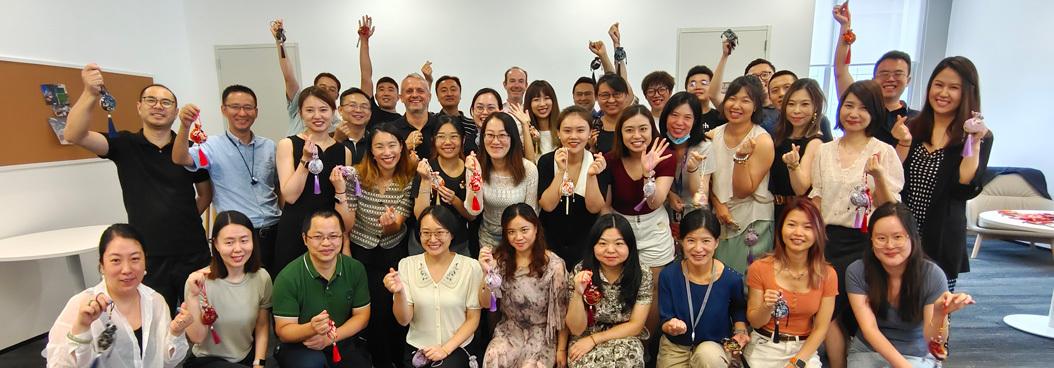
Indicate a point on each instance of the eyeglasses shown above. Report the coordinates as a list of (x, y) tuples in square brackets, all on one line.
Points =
[(656, 91), (608, 96), (441, 234), (351, 106), (482, 107), (894, 241), (694, 84), (319, 238), (763, 75), (885, 74), (236, 108), (152, 101), (501, 137)]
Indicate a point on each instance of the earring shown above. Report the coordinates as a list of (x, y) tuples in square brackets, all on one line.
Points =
[(814, 117)]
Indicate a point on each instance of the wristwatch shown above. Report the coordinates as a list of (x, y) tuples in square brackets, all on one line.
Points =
[(259, 362), (798, 362)]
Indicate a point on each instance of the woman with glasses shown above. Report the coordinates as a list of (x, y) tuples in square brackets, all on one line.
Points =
[(900, 298), (303, 190), (441, 181), (352, 133), (486, 101), (436, 294), (613, 96), (505, 176)]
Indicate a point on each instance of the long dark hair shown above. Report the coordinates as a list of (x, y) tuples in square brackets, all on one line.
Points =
[(755, 90), (619, 147), (815, 261), (216, 266), (869, 93), (784, 128), (631, 272), (505, 254), (114, 231), (922, 125), (513, 159), (698, 134), (911, 282), (700, 219)]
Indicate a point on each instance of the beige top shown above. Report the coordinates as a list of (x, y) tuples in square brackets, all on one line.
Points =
[(833, 180), (439, 307), (745, 211)]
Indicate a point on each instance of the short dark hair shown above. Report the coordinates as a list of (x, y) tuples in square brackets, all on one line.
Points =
[(698, 69), (782, 73), (870, 94), (586, 80), (483, 91), (893, 55), (352, 91), (317, 93), (223, 219), (755, 91), (697, 133), (142, 92), (324, 213), (237, 88), (657, 77), (757, 62), (445, 217), (614, 81), (446, 78), (114, 231), (388, 80), (326, 75), (700, 219), (619, 148)]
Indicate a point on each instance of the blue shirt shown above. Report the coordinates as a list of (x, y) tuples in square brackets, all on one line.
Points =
[(726, 306), (232, 166)]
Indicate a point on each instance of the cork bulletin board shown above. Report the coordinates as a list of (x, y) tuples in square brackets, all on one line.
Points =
[(31, 97)]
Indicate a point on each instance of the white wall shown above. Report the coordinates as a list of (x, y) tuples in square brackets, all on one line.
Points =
[(1005, 43), (129, 35), (478, 41)]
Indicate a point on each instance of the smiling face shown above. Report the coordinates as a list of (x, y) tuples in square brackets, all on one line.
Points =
[(611, 250), (449, 94), (762, 71), (680, 120), (484, 105), (698, 246), (891, 242), (636, 133), (330, 86), (699, 85), (515, 84), (657, 96), (739, 107), (585, 96), (152, 109), (800, 108), (240, 111), (892, 75), (778, 88), (355, 109), (317, 114), (324, 239), (574, 133), (611, 102), (435, 239), (123, 265), (945, 92), (386, 150), (521, 234), (448, 142), (542, 106), (496, 140), (386, 95), (415, 95), (854, 116), (234, 243), (798, 232)]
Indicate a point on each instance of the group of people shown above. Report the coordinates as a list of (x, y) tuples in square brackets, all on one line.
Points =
[(701, 229)]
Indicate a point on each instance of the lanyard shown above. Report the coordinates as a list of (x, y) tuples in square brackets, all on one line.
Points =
[(252, 176), (706, 297)]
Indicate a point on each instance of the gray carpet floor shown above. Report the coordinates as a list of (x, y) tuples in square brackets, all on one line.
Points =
[(1007, 278)]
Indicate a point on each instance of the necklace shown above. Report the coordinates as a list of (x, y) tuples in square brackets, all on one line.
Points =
[(250, 169), (794, 275), (688, 289)]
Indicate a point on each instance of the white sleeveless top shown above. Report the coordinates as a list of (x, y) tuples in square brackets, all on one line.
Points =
[(745, 211)]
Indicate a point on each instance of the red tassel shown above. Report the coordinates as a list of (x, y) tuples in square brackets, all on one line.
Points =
[(215, 336), (848, 54), (336, 354), (475, 203), (201, 157), (863, 227)]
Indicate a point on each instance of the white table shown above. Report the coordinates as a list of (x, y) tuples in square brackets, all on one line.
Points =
[(69, 243), (1031, 323)]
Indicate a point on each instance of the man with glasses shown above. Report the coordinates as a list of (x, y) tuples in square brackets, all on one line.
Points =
[(892, 72), (760, 68), (321, 301), (159, 196), (324, 81), (241, 164), (416, 127), (657, 86), (448, 91)]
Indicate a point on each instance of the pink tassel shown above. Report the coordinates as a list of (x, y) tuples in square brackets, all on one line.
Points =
[(968, 148), (318, 189), (640, 205), (215, 336), (201, 157)]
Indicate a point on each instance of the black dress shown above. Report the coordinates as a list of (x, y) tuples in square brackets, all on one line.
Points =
[(459, 243), (290, 243), (944, 218), (779, 176), (565, 234)]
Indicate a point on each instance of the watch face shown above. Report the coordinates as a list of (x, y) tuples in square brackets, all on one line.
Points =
[(800, 363)]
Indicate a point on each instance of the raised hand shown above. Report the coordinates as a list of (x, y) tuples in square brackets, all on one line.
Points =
[(675, 327), (770, 297), (653, 156), (388, 217), (841, 14), (424, 170), (616, 36), (695, 159), (792, 158), (598, 166), (91, 75), (597, 47), (366, 27), (726, 48), (426, 70), (471, 162), (874, 167), (336, 176), (747, 147), (196, 281), (948, 303), (486, 259), (517, 111), (188, 114), (582, 279), (560, 157), (392, 282), (414, 139), (276, 25), (900, 131), (91, 311), (309, 150)]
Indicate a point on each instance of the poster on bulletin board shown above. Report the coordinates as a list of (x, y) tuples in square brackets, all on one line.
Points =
[(36, 99)]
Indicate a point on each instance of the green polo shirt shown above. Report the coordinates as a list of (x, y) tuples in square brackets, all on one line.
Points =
[(299, 291)]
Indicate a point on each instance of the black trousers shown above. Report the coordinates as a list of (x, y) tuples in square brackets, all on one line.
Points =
[(353, 354), (385, 337), (265, 238), (168, 274), (194, 361)]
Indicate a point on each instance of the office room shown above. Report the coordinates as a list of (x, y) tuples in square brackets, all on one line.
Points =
[(174, 170)]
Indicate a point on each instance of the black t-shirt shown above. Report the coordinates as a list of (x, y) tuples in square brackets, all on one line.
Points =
[(403, 127), (566, 234), (886, 133), (379, 116), (712, 119), (454, 183), (158, 195), (358, 148), (469, 131), (605, 140)]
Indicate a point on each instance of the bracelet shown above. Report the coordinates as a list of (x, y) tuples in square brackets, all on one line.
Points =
[(620, 54), (79, 341), (303, 162), (693, 171), (340, 192), (593, 339), (793, 167), (739, 331), (737, 158), (903, 145)]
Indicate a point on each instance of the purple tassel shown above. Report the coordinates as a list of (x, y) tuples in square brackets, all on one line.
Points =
[(318, 189), (493, 303), (968, 148), (858, 220), (640, 205), (358, 188)]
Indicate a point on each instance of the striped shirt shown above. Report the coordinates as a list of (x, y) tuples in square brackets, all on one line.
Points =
[(367, 232)]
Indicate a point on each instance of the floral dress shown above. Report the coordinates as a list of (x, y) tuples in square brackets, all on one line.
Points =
[(532, 314), (617, 353)]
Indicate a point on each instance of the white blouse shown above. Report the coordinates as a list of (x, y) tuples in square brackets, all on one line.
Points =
[(833, 181), (160, 349), (500, 192), (745, 211), (439, 307)]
